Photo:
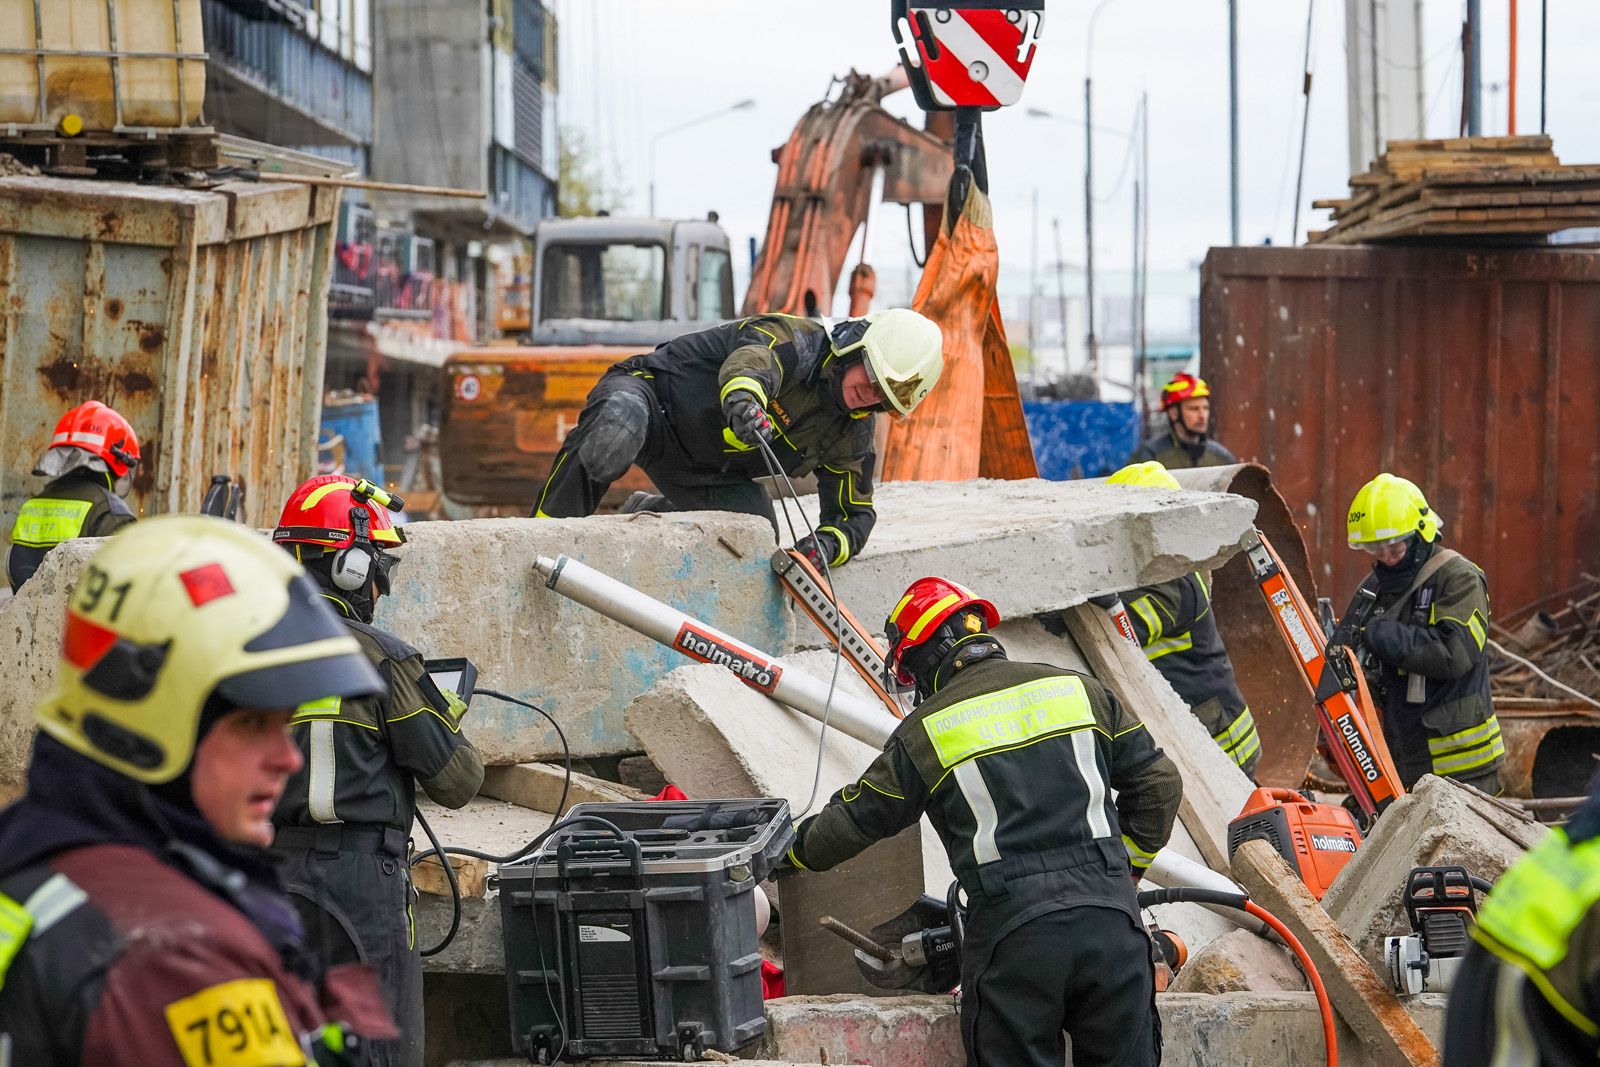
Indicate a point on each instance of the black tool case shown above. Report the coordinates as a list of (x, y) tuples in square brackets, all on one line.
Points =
[(644, 946)]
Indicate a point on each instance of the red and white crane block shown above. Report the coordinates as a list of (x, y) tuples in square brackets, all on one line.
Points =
[(967, 53)]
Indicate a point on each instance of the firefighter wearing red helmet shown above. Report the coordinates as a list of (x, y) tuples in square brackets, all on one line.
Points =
[(1016, 764), (89, 461), (1186, 402), (345, 819)]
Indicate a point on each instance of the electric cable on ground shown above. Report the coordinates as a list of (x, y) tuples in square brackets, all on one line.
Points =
[(442, 852)]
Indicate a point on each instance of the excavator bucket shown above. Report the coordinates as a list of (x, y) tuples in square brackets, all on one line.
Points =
[(1267, 676), (971, 425)]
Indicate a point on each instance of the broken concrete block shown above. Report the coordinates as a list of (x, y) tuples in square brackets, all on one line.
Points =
[(1034, 546), (539, 786), (1240, 962), (909, 1031), (1440, 822), (1362, 998)]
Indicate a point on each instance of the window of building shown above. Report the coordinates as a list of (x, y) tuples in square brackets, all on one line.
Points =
[(611, 282)]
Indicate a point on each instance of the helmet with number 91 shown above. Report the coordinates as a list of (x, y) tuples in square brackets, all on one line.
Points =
[(180, 619)]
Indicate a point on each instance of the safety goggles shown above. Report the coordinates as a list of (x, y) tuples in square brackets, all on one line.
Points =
[(1384, 547), (384, 565)]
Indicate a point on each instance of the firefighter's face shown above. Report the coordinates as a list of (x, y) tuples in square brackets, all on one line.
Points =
[(1195, 415), (240, 767), (859, 392)]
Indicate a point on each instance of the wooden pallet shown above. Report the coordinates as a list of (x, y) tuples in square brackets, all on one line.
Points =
[(1499, 187), (139, 155)]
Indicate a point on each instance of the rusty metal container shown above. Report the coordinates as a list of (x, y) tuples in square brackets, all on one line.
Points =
[(1473, 372), (200, 315)]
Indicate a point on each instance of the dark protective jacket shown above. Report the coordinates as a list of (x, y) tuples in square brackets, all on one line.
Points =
[(364, 757), (1429, 674), (1178, 632), (1014, 764), (1173, 454), (1529, 990), (130, 936), (789, 365), (77, 504)]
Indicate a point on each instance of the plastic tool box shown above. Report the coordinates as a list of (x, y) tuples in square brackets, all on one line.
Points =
[(643, 946)]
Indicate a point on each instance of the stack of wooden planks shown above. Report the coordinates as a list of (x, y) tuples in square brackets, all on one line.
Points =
[(1506, 187)]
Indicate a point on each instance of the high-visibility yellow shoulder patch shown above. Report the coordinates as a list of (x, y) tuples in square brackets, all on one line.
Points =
[(235, 1024)]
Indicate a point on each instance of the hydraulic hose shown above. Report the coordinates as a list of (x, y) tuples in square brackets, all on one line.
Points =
[(1190, 895)]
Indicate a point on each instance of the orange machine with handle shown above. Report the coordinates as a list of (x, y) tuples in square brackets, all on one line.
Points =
[(1345, 711)]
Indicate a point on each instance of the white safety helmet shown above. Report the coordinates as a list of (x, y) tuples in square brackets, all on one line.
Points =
[(902, 350)]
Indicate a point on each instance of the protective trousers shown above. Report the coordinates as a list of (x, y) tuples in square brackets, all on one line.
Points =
[(623, 424), (357, 906), (1084, 971)]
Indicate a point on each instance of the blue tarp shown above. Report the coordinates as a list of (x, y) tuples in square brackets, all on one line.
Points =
[(1081, 438)]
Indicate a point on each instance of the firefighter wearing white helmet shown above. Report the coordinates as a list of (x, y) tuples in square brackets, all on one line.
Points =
[(141, 915), (1425, 636), (698, 413)]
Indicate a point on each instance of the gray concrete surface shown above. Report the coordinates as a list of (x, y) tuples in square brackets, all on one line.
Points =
[(468, 588), (1440, 822), (1034, 546)]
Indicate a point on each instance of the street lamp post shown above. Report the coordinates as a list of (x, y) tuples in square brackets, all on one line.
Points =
[(743, 105), (1093, 352)]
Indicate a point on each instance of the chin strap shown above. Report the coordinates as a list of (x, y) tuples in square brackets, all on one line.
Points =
[(956, 655)]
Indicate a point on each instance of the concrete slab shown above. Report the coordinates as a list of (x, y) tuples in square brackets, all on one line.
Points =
[(468, 588), (1240, 962), (539, 786), (1440, 822), (1034, 546)]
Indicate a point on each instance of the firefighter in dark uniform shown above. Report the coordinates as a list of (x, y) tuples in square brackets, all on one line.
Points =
[(344, 823), (691, 414), (89, 461), (1015, 764), (1529, 990), (1186, 402), (142, 920), (1178, 632), (1426, 667)]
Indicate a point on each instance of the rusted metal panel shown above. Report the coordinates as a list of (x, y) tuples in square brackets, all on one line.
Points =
[(1271, 684), (1472, 372), (200, 315)]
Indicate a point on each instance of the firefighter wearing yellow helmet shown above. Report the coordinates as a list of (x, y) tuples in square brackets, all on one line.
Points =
[(698, 414), (141, 915), (1186, 441), (1175, 626), (1426, 637)]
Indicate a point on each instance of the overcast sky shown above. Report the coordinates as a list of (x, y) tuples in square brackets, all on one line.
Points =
[(632, 68)]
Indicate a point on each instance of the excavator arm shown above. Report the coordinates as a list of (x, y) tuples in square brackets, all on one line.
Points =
[(824, 191)]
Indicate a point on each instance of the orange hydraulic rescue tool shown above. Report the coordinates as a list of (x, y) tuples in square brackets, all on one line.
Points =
[(811, 591), (1345, 711)]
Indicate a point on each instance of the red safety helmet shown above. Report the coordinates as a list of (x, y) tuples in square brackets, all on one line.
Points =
[(1184, 386), (98, 430), (927, 603), (349, 517)]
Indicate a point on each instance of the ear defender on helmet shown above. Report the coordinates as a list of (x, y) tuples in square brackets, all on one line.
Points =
[(351, 569)]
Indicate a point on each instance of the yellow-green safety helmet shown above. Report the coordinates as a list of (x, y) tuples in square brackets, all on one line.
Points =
[(1147, 475), (176, 610), (903, 351), (1388, 508)]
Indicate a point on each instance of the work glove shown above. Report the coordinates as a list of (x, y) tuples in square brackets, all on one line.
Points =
[(746, 418), (820, 548), (1389, 640)]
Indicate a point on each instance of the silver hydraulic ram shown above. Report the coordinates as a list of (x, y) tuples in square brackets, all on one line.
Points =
[(866, 721)]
